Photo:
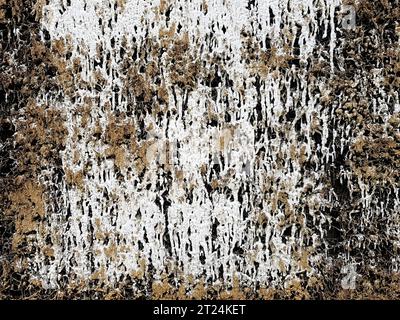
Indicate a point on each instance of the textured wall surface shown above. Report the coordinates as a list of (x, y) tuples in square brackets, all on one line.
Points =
[(199, 149)]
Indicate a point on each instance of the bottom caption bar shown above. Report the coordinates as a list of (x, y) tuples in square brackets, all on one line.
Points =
[(200, 309)]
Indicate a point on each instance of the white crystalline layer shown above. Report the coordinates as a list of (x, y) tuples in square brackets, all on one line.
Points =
[(190, 223)]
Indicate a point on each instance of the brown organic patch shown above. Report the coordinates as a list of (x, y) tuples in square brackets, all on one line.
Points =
[(27, 205), (75, 179), (183, 66), (262, 61), (376, 156), (40, 137)]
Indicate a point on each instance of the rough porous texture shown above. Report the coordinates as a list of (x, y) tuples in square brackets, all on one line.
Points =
[(199, 149)]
